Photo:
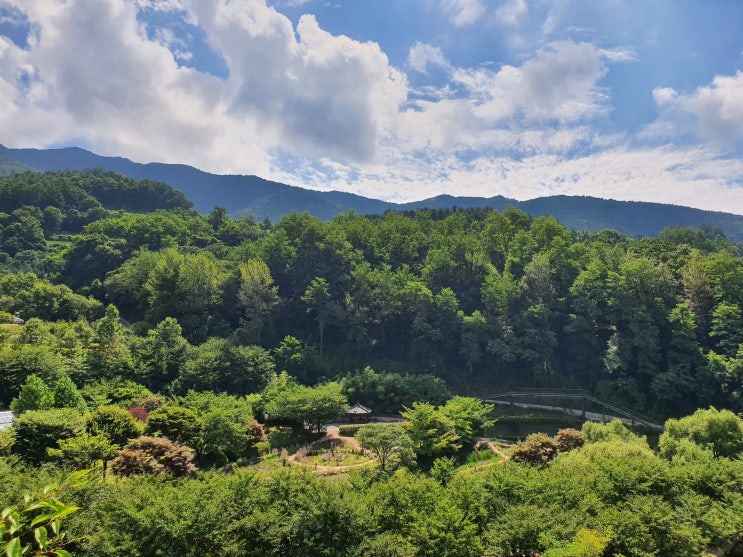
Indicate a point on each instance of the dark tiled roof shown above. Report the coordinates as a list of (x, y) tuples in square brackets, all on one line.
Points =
[(358, 409)]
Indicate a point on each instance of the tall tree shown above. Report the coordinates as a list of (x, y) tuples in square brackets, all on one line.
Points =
[(257, 296)]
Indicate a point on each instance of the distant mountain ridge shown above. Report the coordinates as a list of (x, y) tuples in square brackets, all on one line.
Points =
[(266, 199)]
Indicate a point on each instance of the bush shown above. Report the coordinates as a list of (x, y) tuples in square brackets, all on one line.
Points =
[(721, 431), (7, 438), (41, 430), (569, 439), (349, 430), (153, 455), (179, 424), (83, 451), (138, 413), (151, 402), (537, 449), (115, 423)]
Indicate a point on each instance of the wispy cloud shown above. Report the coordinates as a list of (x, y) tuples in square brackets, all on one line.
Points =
[(463, 12)]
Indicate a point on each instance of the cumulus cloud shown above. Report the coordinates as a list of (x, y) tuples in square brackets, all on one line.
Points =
[(560, 83), (714, 112), (96, 75), (718, 108), (665, 96), (323, 94)]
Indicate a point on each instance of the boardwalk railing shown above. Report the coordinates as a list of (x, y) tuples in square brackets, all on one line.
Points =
[(609, 411)]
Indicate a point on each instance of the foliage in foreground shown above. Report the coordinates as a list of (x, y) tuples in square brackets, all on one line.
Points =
[(611, 496)]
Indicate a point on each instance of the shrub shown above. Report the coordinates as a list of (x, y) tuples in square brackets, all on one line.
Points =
[(41, 430), (569, 439), (349, 430), (151, 402), (179, 424), (718, 430), (153, 455), (83, 451), (138, 413), (115, 423), (537, 449)]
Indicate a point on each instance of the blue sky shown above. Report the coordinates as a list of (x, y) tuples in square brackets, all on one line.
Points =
[(393, 99)]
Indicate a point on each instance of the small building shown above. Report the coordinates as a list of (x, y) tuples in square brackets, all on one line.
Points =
[(358, 414), (17, 319), (6, 419)]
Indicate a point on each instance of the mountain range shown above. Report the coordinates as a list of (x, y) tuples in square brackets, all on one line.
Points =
[(243, 195)]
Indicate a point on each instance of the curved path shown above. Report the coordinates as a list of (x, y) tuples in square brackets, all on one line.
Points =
[(536, 398), (493, 447), (332, 432)]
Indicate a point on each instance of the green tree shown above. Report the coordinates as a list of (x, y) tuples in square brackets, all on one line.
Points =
[(34, 395), (257, 297), (163, 353), (177, 424), (110, 356), (186, 287), (431, 431), (319, 301), (719, 430), (390, 443), (221, 366), (114, 423), (66, 395), (727, 329), (470, 417), (314, 406), (224, 437), (677, 387)]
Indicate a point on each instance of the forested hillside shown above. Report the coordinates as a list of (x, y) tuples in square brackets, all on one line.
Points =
[(480, 298), (190, 361)]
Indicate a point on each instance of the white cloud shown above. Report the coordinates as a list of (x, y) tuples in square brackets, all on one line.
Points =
[(422, 55), (559, 83), (664, 96), (160, 5), (692, 177), (511, 12), (99, 77), (317, 94), (718, 109), (714, 112), (463, 12)]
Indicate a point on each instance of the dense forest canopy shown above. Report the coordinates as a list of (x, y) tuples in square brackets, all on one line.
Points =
[(482, 299), (162, 348)]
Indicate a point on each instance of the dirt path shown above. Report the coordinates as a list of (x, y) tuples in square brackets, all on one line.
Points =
[(492, 446)]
